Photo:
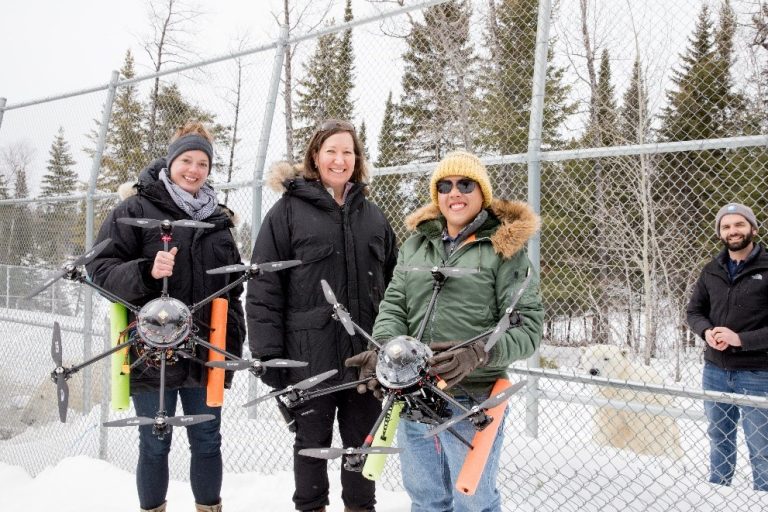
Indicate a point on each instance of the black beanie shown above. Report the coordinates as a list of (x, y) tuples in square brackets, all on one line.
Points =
[(189, 142)]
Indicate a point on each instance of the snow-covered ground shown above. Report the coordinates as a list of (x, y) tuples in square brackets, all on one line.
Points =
[(83, 483)]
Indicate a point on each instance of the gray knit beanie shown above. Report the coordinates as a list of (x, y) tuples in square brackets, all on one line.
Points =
[(189, 142), (737, 208)]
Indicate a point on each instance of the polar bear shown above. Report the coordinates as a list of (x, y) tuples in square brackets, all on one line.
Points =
[(645, 433)]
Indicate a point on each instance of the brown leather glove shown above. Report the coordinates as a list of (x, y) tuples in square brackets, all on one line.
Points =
[(367, 362), (455, 365)]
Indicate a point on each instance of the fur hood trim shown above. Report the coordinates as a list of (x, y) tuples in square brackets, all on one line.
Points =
[(281, 171), (518, 224), (126, 190)]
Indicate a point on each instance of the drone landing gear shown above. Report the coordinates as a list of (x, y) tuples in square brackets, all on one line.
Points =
[(354, 459), (161, 422)]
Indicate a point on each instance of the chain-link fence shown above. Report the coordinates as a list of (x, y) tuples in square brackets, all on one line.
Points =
[(627, 125)]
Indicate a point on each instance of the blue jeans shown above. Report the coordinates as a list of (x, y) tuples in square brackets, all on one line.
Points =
[(205, 471), (431, 466), (723, 419)]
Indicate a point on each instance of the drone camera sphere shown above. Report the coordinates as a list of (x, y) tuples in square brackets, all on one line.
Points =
[(164, 322), (402, 361)]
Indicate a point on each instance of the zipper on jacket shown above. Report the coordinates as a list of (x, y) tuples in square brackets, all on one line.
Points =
[(446, 262)]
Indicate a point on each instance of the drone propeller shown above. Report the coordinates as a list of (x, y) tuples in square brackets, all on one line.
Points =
[(185, 421), (444, 271), (333, 453), (243, 364), (153, 223), (338, 309), (255, 267), (161, 421), (68, 268), (59, 374), (299, 386), (130, 422), (504, 321), (489, 403)]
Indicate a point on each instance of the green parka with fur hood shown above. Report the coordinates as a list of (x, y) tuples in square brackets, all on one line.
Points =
[(474, 303)]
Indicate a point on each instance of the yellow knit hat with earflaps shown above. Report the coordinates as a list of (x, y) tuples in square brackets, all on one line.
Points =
[(461, 163)]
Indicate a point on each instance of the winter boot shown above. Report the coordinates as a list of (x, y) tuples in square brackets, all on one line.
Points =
[(161, 508), (349, 509), (208, 508)]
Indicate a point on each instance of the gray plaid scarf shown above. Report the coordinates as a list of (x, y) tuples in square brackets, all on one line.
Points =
[(198, 207)]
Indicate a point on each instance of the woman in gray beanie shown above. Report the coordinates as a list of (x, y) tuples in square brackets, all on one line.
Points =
[(133, 267)]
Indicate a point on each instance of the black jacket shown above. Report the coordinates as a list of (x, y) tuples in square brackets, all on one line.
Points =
[(741, 306), (352, 247), (124, 268)]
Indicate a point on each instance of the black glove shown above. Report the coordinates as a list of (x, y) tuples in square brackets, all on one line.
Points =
[(367, 362), (455, 365), (274, 377)]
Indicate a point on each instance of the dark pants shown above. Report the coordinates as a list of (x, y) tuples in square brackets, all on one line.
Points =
[(314, 429), (205, 471)]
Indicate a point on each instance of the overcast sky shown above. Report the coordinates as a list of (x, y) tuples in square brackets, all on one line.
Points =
[(50, 46)]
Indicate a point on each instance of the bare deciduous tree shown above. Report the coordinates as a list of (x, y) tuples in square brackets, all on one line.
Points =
[(305, 16), (168, 44)]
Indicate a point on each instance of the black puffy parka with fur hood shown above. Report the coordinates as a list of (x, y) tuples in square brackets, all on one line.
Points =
[(124, 268), (351, 246)]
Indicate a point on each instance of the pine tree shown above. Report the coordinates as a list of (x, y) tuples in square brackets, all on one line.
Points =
[(507, 79), (603, 127), (439, 83), (61, 179), (341, 104), (314, 93), (363, 136), (634, 124), (124, 154), (702, 103), (326, 89), (392, 152), (391, 144), (57, 220), (173, 111)]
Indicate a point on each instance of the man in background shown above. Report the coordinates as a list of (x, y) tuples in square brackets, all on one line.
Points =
[(729, 309)]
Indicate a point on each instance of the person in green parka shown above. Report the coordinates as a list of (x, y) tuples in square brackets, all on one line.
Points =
[(463, 226)]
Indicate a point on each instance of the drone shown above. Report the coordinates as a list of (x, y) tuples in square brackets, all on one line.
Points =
[(404, 374), (164, 330)]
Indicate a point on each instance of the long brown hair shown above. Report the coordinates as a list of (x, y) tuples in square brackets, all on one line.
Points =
[(326, 129)]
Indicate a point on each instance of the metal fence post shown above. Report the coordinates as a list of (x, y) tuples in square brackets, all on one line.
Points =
[(534, 185), (266, 131), (261, 156), (106, 115)]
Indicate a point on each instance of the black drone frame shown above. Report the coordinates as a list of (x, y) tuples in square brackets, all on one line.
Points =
[(426, 401), (181, 344)]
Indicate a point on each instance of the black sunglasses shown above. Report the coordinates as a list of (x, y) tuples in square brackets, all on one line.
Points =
[(465, 186), (335, 124)]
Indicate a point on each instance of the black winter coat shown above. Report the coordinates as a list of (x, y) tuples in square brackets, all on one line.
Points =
[(353, 247), (124, 268), (741, 306)]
